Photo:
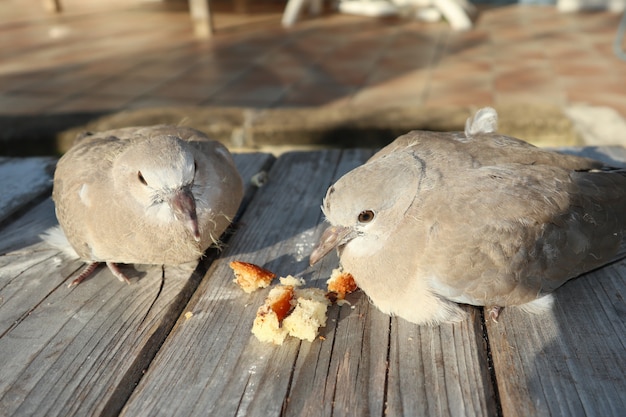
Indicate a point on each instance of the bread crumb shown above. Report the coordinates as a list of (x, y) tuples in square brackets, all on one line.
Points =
[(293, 311), (291, 280), (340, 283), (267, 326), (251, 277), (188, 315), (308, 315)]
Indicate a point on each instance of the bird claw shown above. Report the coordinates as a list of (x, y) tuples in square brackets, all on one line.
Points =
[(494, 313), (88, 270), (115, 270)]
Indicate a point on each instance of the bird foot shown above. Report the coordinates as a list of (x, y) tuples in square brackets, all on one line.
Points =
[(494, 313), (115, 270), (86, 272)]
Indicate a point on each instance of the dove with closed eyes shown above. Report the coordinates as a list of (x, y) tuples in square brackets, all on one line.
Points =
[(145, 195)]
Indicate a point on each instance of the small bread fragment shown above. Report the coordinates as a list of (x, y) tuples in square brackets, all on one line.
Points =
[(251, 277), (308, 315), (341, 283), (290, 310), (267, 326), (291, 280)]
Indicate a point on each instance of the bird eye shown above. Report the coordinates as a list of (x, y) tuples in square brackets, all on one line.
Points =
[(366, 216), (141, 178)]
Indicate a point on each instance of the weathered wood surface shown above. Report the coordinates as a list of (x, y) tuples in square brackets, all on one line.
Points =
[(367, 364), (107, 349), (81, 351), (572, 361)]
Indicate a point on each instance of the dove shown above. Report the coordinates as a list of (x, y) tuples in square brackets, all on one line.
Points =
[(438, 219), (144, 195)]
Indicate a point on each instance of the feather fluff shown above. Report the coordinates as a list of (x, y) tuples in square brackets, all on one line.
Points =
[(56, 238), (484, 121)]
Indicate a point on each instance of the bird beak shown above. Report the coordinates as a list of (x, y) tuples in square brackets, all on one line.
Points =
[(184, 207), (333, 237)]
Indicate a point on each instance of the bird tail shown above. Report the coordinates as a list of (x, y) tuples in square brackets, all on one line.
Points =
[(56, 238), (484, 121)]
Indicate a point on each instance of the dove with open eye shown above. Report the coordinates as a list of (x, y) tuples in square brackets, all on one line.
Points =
[(145, 195), (435, 219)]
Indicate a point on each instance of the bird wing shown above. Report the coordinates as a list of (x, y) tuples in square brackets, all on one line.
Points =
[(482, 150), (512, 231), (84, 171)]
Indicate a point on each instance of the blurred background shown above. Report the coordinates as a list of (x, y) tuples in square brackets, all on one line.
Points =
[(356, 73)]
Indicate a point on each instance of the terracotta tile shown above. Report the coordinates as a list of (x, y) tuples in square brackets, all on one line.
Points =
[(539, 95), (524, 78), (460, 91), (409, 89), (316, 94), (125, 86), (91, 103), (159, 70), (152, 101), (149, 57), (23, 103), (192, 90), (64, 84), (17, 81), (263, 93)]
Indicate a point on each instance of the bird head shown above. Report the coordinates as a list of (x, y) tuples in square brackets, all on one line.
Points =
[(159, 174), (367, 204)]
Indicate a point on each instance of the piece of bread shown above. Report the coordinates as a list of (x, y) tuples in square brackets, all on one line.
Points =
[(340, 283), (267, 326), (251, 277), (308, 315), (290, 310), (291, 280)]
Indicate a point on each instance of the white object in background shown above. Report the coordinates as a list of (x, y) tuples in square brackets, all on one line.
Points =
[(567, 6), (455, 13), (372, 8), (294, 7), (428, 14)]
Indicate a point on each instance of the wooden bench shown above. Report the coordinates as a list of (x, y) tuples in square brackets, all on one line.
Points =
[(177, 341)]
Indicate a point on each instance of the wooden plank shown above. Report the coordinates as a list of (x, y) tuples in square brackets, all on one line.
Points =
[(223, 369), (570, 361), (29, 269), (610, 155), (23, 180), (440, 370), (212, 365), (81, 351), (344, 374)]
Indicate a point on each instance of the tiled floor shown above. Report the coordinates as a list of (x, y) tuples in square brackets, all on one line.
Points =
[(112, 55)]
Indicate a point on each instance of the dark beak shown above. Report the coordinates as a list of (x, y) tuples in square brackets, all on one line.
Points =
[(184, 206)]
